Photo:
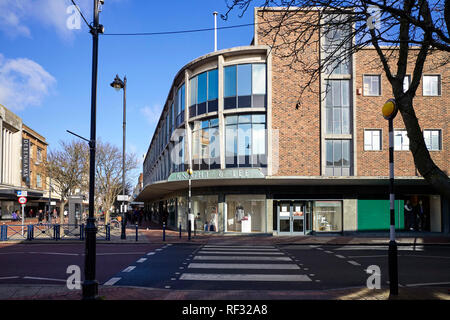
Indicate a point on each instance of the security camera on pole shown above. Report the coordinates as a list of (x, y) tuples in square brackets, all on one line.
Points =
[(389, 112)]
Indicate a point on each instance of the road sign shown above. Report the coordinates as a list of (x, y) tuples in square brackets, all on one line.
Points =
[(121, 197), (22, 200), (53, 203), (22, 193)]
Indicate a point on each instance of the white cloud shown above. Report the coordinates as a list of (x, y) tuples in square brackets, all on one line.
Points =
[(152, 114), (17, 16), (23, 83)]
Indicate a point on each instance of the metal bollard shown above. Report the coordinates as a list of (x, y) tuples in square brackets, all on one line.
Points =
[(82, 231), (4, 233), (189, 231), (180, 230), (136, 232), (164, 231), (58, 232), (108, 232), (29, 232)]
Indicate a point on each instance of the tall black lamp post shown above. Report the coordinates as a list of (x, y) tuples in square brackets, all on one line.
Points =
[(90, 285), (119, 84), (389, 112)]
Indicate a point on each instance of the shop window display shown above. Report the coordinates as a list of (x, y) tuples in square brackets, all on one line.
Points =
[(327, 216), (205, 209), (246, 213)]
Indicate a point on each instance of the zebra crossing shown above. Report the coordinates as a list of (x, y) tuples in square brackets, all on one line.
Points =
[(231, 263)]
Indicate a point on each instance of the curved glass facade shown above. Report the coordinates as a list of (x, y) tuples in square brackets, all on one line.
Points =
[(204, 93)]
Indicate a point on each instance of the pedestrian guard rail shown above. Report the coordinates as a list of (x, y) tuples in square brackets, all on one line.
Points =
[(42, 231)]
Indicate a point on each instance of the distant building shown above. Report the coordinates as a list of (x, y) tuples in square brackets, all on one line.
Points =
[(263, 164), (22, 163)]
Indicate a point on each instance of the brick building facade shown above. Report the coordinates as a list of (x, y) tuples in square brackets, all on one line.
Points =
[(277, 147)]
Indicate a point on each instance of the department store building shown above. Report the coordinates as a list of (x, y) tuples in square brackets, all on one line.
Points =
[(263, 163)]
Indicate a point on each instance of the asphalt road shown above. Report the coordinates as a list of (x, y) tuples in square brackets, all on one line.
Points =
[(226, 267)]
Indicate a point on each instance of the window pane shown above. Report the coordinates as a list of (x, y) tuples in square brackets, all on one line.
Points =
[(182, 97), (230, 81), (201, 87), (259, 118), (247, 118), (231, 119), (259, 79), (231, 145), (337, 153), (193, 93), (329, 151), (345, 120), (244, 144), (329, 116), (368, 140), (212, 84), (345, 92), (346, 153), (337, 120), (244, 79), (336, 91), (376, 140)]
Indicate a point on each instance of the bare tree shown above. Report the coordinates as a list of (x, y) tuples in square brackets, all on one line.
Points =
[(403, 33), (67, 167), (108, 175)]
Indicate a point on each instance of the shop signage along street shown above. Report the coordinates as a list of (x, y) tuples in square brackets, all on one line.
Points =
[(250, 173), (22, 193), (26, 160), (22, 200)]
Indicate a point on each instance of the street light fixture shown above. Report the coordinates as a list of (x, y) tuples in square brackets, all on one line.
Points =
[(389, 112), (118, 84)]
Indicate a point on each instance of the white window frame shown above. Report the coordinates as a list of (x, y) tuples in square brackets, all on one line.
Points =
[(367, 94), (404, 146), (439, 137), (366, 131), (439, 83)]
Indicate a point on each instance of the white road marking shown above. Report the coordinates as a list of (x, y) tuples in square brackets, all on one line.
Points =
[(241, 258), (244, 277), (141, 260), (234, 252), (48, 279), (118, 253), (150, 253), (167, 287), (289, 266), (426, 284), (375, 256), (339, 256), (12, 277), (319, 248), (129, 269), (240, 249), (353, 263), (328, 251), (159, 249), (111, 281)]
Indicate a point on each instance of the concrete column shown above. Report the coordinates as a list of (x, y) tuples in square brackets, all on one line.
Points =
[(220, 115), (269, 215), (350, 215), (272, 167)]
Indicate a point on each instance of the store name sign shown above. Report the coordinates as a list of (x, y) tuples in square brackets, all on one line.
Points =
[(26, 160), (218, 174)]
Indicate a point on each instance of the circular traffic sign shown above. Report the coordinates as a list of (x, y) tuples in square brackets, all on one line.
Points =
[(22, 200)]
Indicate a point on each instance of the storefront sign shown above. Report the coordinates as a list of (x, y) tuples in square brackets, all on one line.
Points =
[(250, 173), (26, 160)]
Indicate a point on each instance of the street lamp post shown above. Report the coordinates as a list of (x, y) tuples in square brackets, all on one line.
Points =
[(189, 172), (119, 84), (389, 112), (90, 285)]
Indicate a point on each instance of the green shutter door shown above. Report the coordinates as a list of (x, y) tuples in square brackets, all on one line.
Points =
[(374, 215)]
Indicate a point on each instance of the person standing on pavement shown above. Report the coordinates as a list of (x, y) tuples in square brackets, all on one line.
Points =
[(408, 215), (40, 216)]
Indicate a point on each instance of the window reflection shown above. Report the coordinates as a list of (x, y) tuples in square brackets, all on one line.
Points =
[(203, 93)]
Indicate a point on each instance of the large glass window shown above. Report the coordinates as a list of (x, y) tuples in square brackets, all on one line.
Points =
[(338, 106), (327, 216), (337, 158), (205, 146), (372, 140), (204, 93), (246, 213), (245, 141), (245, 86), (336, 43)]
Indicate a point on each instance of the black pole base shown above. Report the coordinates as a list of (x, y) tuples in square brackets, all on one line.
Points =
[(393, 269), (123, 234), (90, 290)]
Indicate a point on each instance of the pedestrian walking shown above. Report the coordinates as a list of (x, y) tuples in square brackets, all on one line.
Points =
[(408, 215), (40, 216), (421, 216)]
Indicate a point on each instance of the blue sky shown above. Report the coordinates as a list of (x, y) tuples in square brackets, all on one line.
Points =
[(45, 67)]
